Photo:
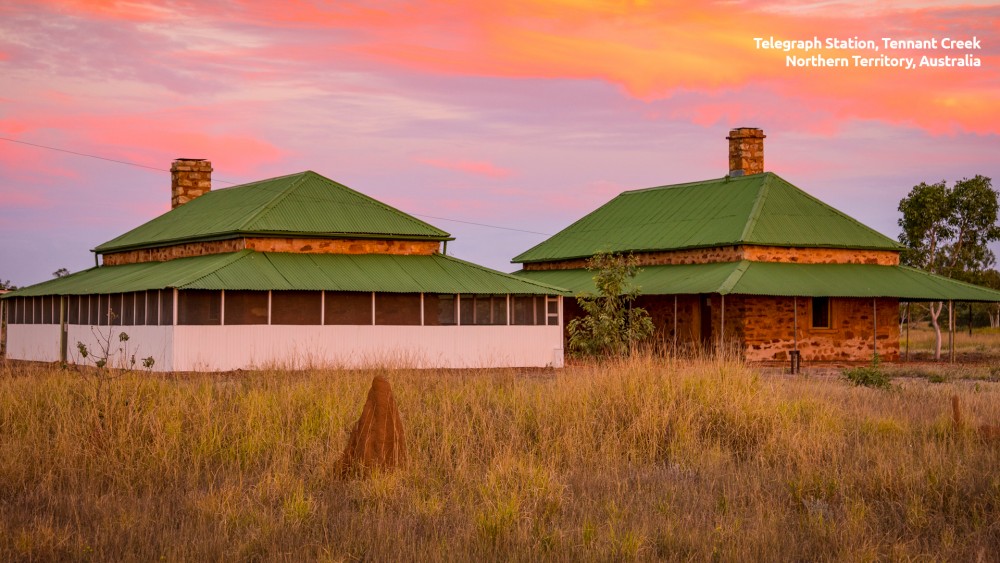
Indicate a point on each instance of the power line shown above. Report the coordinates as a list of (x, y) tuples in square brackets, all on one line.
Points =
[(129, 163), (136, 164)]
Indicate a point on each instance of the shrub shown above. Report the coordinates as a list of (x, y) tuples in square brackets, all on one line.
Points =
[(611, 325), (869, 376)]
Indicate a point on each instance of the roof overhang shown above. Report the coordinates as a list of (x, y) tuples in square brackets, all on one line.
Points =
[(783, 279), (250, 270)]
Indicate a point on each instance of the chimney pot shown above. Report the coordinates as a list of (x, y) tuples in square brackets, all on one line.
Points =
[(746, 151), (189, 178)]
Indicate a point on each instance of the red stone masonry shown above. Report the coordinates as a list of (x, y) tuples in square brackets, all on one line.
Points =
[(291, 245), (797, 255)]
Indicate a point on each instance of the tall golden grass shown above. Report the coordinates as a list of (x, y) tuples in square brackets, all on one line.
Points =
[(642, 459)]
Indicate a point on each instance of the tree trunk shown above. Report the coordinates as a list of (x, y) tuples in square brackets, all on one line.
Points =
[(935, 312)]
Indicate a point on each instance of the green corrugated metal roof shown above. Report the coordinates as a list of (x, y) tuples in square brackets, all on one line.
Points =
[(261, 271), (773, 278), (761, 209), (303, 204)]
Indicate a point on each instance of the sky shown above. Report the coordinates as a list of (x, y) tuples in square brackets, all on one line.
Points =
[(524, 115)]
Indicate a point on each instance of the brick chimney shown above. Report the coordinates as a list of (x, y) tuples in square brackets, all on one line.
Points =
[(746, 151), (189, 178)]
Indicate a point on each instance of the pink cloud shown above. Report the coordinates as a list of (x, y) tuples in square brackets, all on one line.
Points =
[(477, 167)]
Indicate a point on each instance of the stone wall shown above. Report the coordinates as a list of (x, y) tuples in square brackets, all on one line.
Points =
[(797, 255), (293, 245), (768, 332)]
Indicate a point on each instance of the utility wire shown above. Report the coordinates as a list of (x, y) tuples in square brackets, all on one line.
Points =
[(136, 164)]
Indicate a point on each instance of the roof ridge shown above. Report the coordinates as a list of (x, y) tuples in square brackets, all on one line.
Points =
[(210, 268), (734, 278), (681, 185), (379, 203), (838, 212), (758, 205)]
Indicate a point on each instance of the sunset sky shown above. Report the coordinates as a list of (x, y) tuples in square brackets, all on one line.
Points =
[(523, 114)]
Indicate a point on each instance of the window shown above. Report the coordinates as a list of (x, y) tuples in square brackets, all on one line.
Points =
[(553, 310), (523, 310), (246, 307), (348, 308), (199, 307), (73, 317), (117, 315), (140, 308), (821, 312), (295, 307), (439, 310), (484, 309), (47, 309), (153, 307), (397, 309), (166, 306), (95, 310), (128, 309), (36, 306)]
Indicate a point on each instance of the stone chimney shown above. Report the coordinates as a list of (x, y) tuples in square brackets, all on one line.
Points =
[(746, 151), (189, 178)]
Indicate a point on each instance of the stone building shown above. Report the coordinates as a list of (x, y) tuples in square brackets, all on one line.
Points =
[(752, 262), (292, 271)]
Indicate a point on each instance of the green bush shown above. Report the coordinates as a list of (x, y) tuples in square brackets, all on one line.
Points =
[(869, 376)]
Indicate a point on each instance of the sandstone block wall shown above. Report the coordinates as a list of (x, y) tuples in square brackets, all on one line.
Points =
[(768, 329), (798, 255), (293, 245)]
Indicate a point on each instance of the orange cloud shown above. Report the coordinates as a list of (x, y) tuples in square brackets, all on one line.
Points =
[(651, 49), (477, 167)]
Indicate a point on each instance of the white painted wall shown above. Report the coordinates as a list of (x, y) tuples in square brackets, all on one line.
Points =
[(214, 348), (39, 343), (220, 348), (144, 341)]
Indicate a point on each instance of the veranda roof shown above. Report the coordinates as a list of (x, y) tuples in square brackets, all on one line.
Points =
[(250, 270), (783, 279)]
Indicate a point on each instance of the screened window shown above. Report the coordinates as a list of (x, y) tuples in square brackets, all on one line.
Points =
[(523, 309), (166, 306), (553, 310), (483, 309), (246, 307), (199, 307), (821, 312), (36, 305), (153, 307), (47, 309), (348, 308), (18, 316), (128, 309), (397, 309), (439, 310), (140, 308), (73, 312), (95, 310), (116, 314), (295, 307)]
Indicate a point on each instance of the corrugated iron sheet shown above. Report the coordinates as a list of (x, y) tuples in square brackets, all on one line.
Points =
[(304, 204), (262, 271), (783, 279), (760, 209)]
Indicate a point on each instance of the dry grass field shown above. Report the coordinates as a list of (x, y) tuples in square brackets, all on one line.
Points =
[(645, 459)]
